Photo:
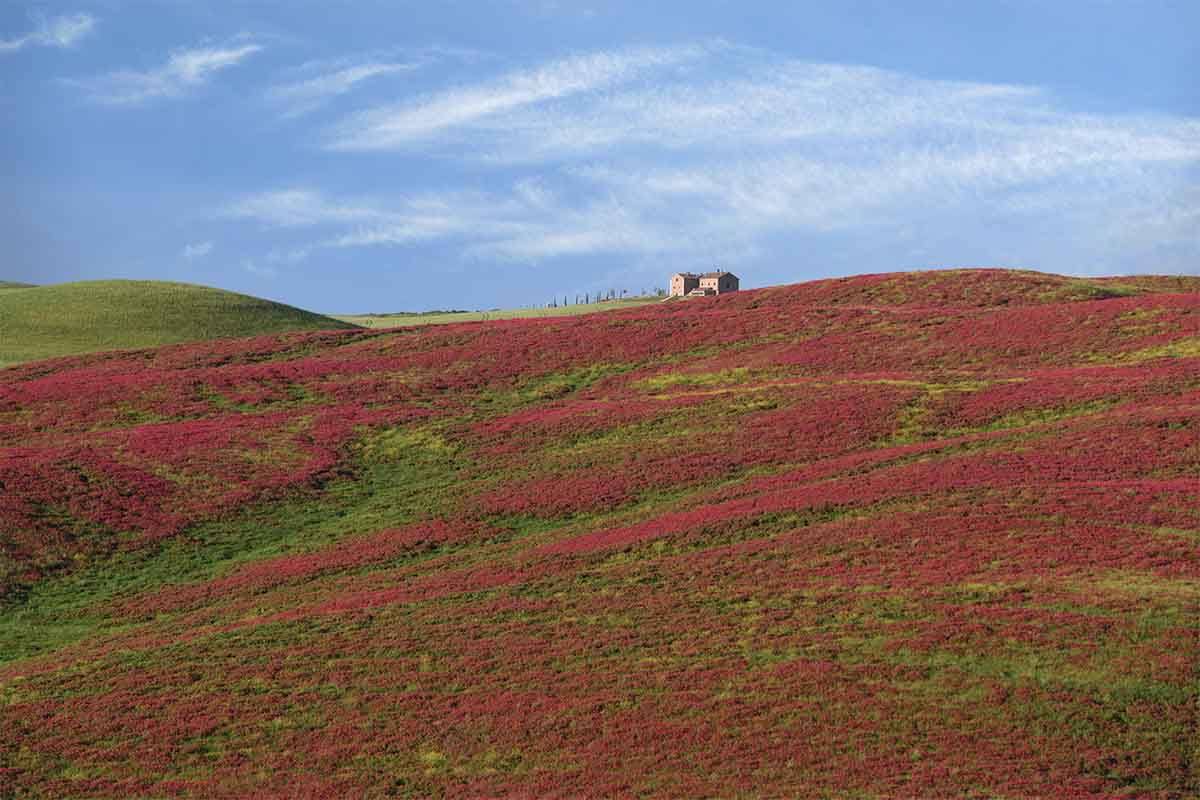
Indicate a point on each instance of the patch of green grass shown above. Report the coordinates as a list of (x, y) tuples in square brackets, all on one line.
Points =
[(66, 319), (1091, 290), (668, 380), (1180, 348), (1045, 416), (391, 444), (408, 319), (1152, 283), (548, 387), (915, 422)]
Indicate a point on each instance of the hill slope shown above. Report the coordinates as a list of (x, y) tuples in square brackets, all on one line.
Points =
[(65, 319), (929, 534)]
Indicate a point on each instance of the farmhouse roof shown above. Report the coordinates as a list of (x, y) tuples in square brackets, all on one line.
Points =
[(720, 274)]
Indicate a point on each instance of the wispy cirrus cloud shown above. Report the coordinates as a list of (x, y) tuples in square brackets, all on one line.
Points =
[(732, 99), (195, 250), (527, 222), (63, 31), (676, 154), (299, 97), (363, 222), (260, 270), (438, 113), (184, 70), (299, 207)]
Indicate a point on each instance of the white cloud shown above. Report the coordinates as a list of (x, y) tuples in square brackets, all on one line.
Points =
[(407, 123), (59, 32), (303, 96), (259, 270), (364, 222), (184, 69), (197, 250), (679, 154), (290, 257), (528, 223), (300, 208)]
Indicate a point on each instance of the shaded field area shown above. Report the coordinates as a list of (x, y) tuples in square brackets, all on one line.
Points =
[(406, 319), (38, 322), (921, 534)]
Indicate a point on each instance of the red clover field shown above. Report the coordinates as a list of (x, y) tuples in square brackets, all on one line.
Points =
[(927, 534)]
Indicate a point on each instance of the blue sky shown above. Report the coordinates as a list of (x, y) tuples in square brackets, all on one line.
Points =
[(381, 156)]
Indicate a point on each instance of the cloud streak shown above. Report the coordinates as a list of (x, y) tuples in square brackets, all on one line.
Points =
[(196, 250), (673, 155), (304, 96), (60, 32), (184, 70), (440, 112), (291, 208)]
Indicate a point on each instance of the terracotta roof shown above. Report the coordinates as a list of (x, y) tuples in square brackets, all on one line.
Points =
[(720, 274)]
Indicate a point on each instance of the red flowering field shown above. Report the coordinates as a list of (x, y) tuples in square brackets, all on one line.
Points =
[(913, 535)]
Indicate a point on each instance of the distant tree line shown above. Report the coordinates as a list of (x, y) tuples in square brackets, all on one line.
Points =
[(588, 298)]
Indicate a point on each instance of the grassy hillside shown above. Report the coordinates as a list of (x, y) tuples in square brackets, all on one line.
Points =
[(404, 319), (912, 535), (15, 285), (66, 319)]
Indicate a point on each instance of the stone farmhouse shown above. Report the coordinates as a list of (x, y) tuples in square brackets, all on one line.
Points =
[(691, 284)]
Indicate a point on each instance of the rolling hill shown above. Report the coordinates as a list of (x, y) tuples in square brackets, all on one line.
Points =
[(922, 534), (39, 322)]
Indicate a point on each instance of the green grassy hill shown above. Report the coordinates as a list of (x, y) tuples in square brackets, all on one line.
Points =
[(47, 321), (15, 285)]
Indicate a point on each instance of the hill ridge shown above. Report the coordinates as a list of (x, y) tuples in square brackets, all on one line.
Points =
[(86, 316)]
